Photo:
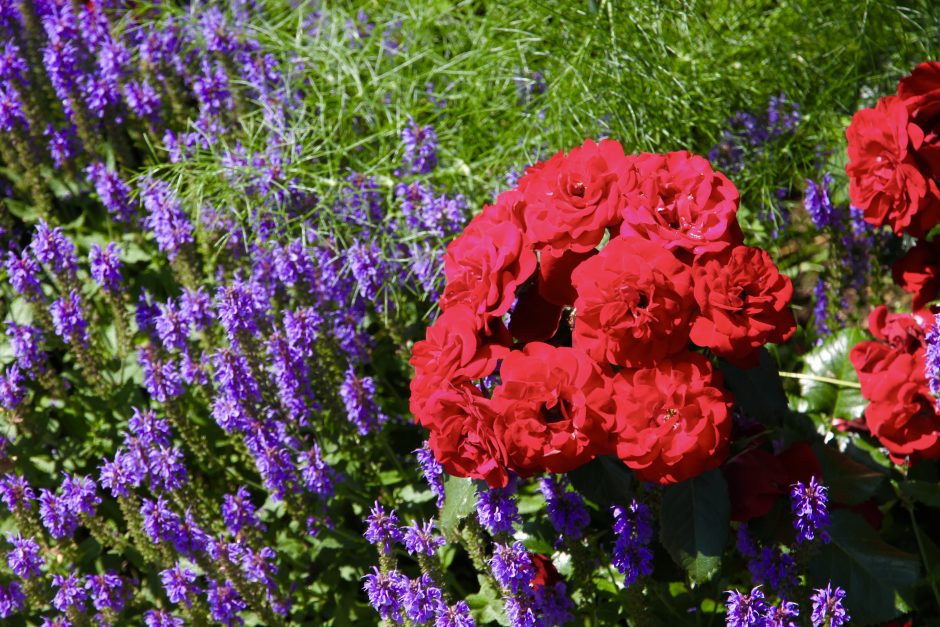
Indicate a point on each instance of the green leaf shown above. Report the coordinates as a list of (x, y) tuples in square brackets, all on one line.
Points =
[(758, 391), (922, 491), (849, 481), (604, 481), (694, 520), (485, 605), (871, 571), (832, 360), (460, 500)]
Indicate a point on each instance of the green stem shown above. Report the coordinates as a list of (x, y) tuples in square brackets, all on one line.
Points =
[(820, 379)]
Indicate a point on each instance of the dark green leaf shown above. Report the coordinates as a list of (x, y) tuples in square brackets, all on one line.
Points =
[(922, 491), (486, 605), (871, 571), (694, 522), (832, 360), (460, 500), (849, 481), (605, 481), (758, 391)]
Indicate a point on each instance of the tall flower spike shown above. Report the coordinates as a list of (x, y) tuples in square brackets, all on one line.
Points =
[(433, 472), (497, 510), (811, 511), (745, 610), (383, 528), (633, 527), (932, 358), (385, 591), (24, 559), (566, 510), (420, 539), (512, 567), (828, 610)]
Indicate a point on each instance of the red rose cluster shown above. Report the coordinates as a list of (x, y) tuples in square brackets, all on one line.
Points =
[(569, 312), (894, 170), (902, 412)]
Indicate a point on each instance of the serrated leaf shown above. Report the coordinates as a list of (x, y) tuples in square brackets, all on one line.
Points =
[(871, 571), (460, 500), (832, 360), (605, 481), (694, 520), (758, 391), (922, 491)]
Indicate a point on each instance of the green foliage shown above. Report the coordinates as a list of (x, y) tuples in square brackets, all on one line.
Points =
[(831, 360), (694, 523)]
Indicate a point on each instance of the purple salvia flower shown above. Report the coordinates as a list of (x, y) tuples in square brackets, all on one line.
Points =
[(520, 613), (810, 508), (196, 308), (160, 523), (420, 539), (302, 328), (62, 144), (274, 463), (167, 469), (238, 310), (358, 394), (512, 567), (212, 90), (496, 508), (68, 320), (288, 371), (56, 514), (180, 584), (81, 493), (172, 327), (420, 143), (11, 109), (24, 559), (827, 607), (238, 512), (369, 269), (159, 618), (23, 273), (553, 604), (15, 492), (932, 358), (259, 566), (161, 379), (121, 475), (316, 474), (457, 615), (149, 429), (817, 203), (224, 603), (13, 66), (229, 414), (52, 248), (292, 263), (107, 591), (233, 375), (146, 312), (422, 600), (71, 592), (566, 510), (385, 591), (743, 610), (165, 217), (433, 472), (12, 388), (383, 528), (112, 190), (775, 568), (26, 342), (782, 615), (105, 265), (633, 527), (142, 99), (12, 599)]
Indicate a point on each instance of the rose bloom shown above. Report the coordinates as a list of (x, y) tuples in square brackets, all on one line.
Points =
[(677, 201), (917, 273), (555, 409), (570, 200), (743, 302), (461, 423), (484, 265), (885, 179), (902, 412), (673, 420), (451, 351), (634, 303)]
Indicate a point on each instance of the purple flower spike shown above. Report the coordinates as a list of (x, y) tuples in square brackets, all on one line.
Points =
[(24, 560), (827, 607), (383, 528), (810, 508), (433, 472), (420, 144), (496, 508), (71, 592), (421, 539), (385, 592), (105, 266), (112, 190), (745, 610), (68, 320), (633, 527), (566, 509), (107, 591), (512, 567), (179, 583)]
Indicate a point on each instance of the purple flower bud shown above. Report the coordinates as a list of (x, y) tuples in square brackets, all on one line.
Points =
[(817, 203), (161, 524), (420, 539), (56, 514), (383, 528), (62, 145), (167, 469), (827, 607), (633, 527), (121, 475), (24, 560), (179, 583), (566, 509), (161, 379), (745, 610), (71, 592), (112, 190), (106, 266), (68, 320), (810, 508)]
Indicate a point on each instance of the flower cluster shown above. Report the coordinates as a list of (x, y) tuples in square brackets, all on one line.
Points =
[(584, 288)]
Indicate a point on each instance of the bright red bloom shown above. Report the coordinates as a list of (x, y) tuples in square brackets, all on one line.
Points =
[(920, 92), (555, 409), (461, 421), (673, 420), (451, 351), (918, 272), (634, 303), (680, 203), (885, 179), (744, 303), (484, 265), (571, 200)]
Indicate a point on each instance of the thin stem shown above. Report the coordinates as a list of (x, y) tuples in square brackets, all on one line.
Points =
[(820, 379)]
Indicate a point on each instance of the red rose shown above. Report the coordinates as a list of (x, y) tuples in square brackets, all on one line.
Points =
[(920, 92), (680, 203), (673, 420), (451, 351), (885, 180), (484, 265), (570, 200), (555, 276), (902, 332), (545, 572), (554, 407), (744, 303), (634, 303), (918, 272), (462, 437)]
